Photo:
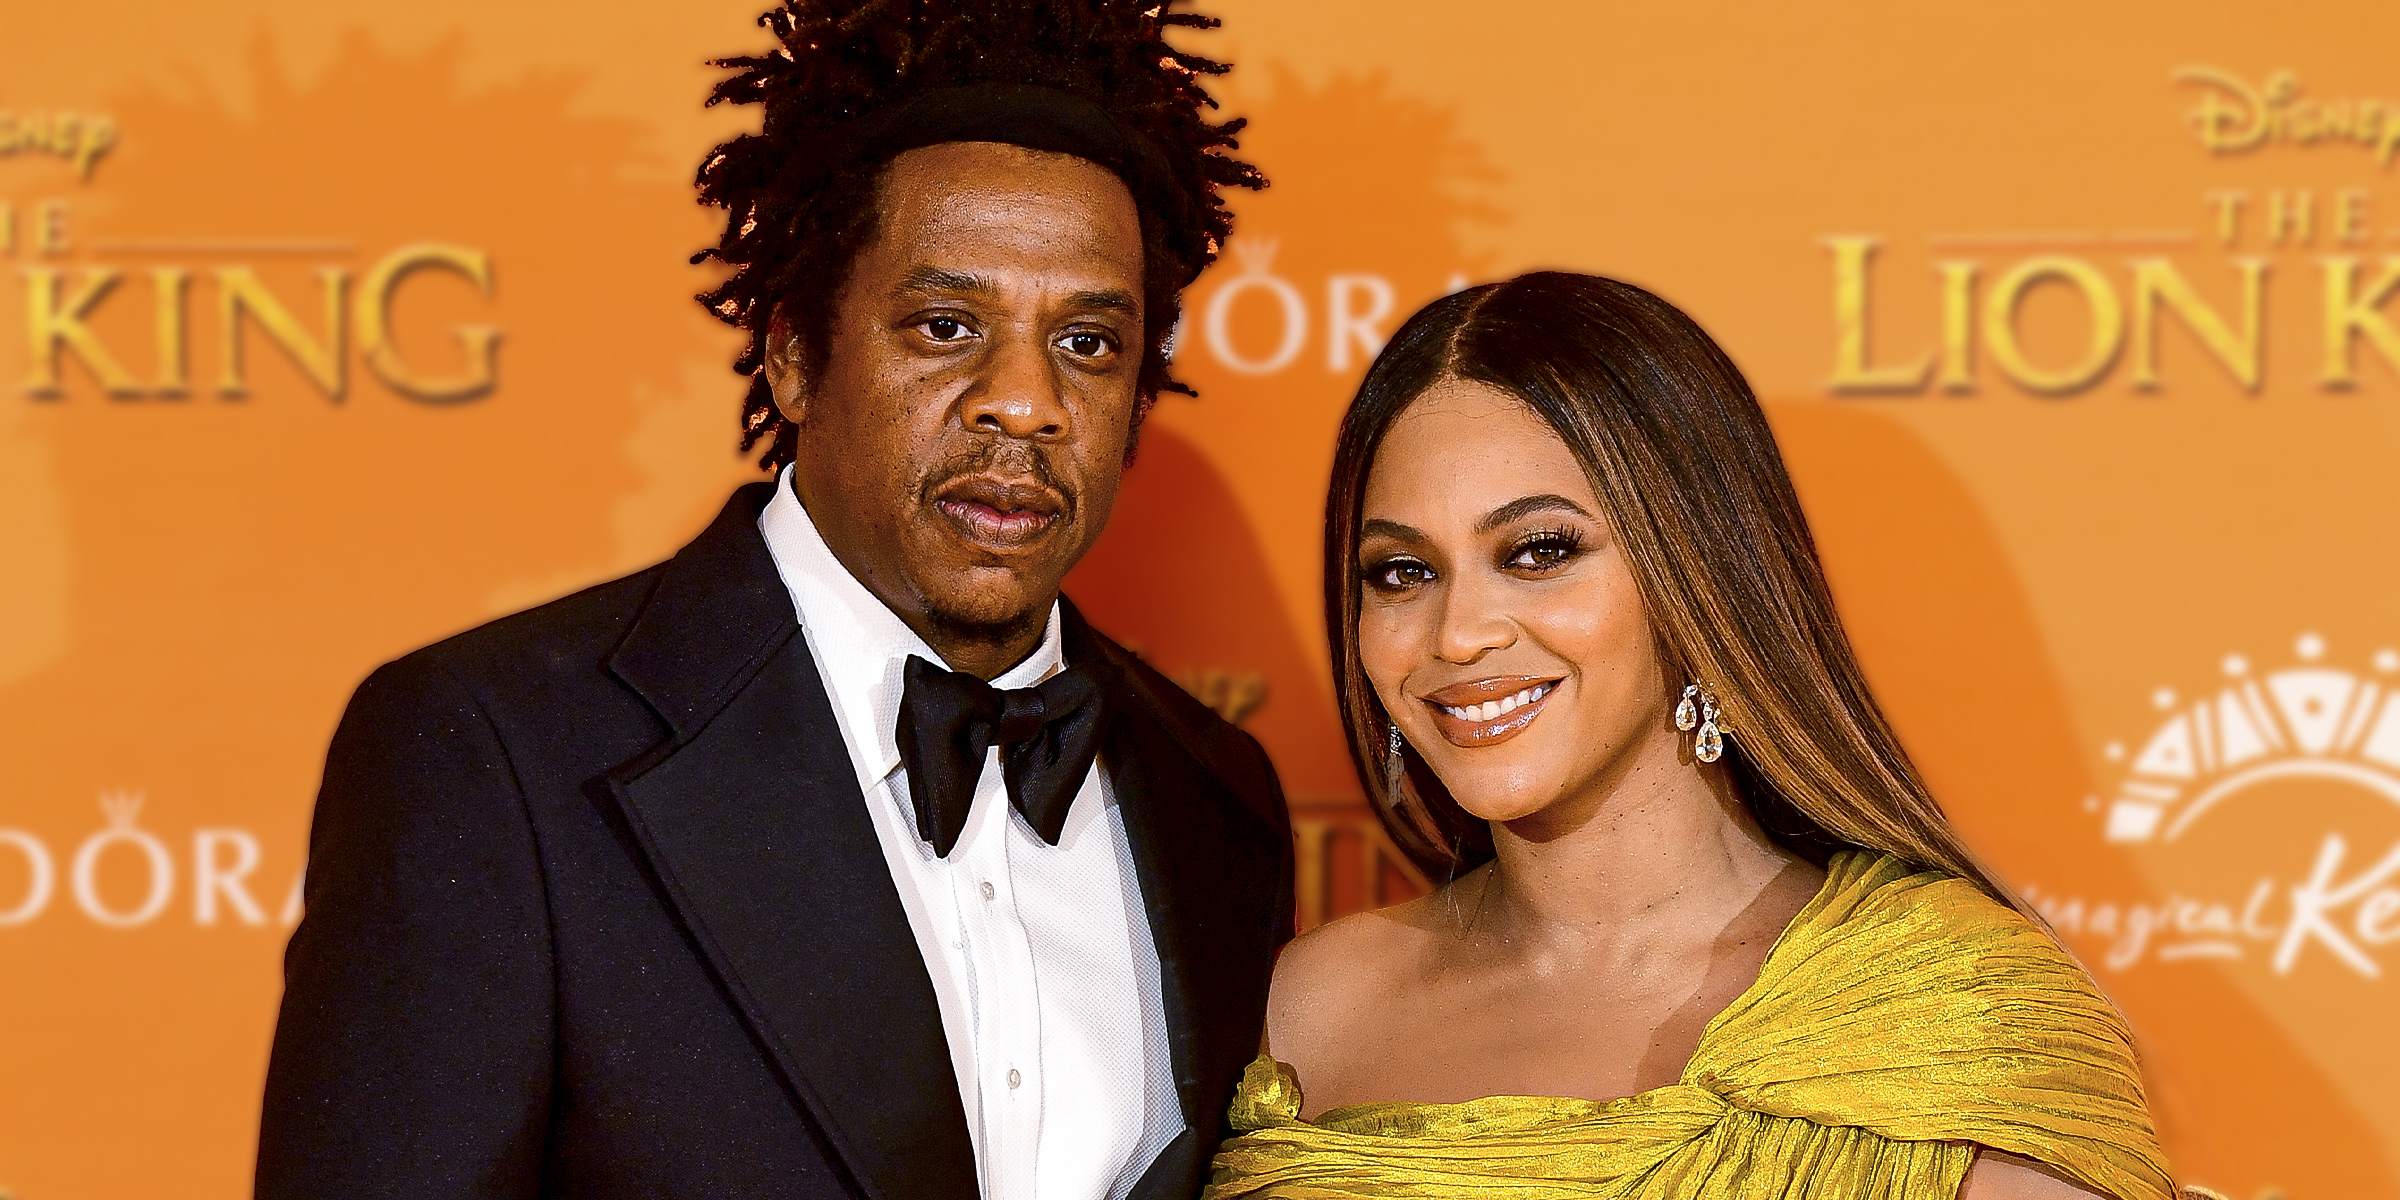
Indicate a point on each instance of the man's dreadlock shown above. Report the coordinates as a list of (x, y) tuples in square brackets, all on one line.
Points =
[(798, 208)]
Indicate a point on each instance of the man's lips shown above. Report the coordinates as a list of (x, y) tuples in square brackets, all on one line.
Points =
[(998, 513), (996, 526), (1485, 712)]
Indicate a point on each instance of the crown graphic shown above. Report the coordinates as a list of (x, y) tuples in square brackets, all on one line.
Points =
[(123, 806), (2306, 721)]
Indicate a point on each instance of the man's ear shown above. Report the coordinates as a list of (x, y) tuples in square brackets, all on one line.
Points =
[(786, 374)]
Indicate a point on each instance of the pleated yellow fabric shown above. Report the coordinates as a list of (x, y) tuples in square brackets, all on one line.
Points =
[(1901, 1020)]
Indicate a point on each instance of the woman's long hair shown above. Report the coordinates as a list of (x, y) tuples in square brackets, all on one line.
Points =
[(1684, 464)]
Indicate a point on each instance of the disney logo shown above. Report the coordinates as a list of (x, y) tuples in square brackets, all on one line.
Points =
[(2234, 116), (80, 138)]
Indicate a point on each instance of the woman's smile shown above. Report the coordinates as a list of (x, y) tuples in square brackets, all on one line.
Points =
[(1485, 712), (1494, 597)]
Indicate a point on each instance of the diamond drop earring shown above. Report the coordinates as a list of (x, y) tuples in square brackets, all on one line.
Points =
[(1709, 746), (1394, 767)]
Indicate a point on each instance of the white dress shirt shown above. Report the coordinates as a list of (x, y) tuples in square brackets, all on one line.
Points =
[(1040, 955)]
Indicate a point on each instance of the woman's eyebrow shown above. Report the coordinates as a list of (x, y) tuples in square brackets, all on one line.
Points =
[(1390, 529), (1526, 507)]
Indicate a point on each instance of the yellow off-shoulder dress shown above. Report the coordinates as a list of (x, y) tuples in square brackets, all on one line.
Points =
[(1903, 1019)]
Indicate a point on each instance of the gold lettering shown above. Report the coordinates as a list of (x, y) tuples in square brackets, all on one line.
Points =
[(50, 226), (1958, 326), (375, 324), (2350, 214), (80, 139), (1311, 883), (2000, 324), (2333, 120), (2349, 312), (2155, 280), (66, 129), (1851, 256), (50, 325), (2291, 213), (2231, 116), (2304, 122), (167, 287), (99, 134), (2229, 213), (239, 291)]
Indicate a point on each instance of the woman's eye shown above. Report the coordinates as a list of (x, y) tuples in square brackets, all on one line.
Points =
[(1086, 345), (1542, 554), (1396, 574)]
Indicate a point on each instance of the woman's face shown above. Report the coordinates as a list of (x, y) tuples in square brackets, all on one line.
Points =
[(1499, 622)]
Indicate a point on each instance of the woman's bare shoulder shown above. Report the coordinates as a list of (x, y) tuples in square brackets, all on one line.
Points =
[(1999, 1176), (1334, 974)]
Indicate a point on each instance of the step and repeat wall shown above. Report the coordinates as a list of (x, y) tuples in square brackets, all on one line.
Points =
[(327, 329)]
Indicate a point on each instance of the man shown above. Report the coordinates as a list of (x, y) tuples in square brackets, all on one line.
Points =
[(736, 877)]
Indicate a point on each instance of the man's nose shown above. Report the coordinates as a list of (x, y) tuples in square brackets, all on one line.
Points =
[(1019, 394)]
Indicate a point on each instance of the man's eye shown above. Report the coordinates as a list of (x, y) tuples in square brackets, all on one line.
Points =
[(944, 329), (1086, 345)]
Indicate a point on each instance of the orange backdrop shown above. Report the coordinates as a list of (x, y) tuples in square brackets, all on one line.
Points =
[(329, 328)]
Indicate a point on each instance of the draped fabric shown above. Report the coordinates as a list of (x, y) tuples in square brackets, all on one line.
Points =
[(1903, 1019)]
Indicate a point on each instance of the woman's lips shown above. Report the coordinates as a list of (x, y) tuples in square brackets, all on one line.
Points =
[(1487, 712)]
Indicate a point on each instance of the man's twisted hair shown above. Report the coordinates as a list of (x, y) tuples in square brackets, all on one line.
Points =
[(800, 204)]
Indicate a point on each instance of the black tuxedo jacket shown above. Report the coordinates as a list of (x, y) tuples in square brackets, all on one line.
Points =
[(595, 910)]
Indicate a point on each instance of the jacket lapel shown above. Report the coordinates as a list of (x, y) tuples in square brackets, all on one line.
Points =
[(1213, 876), (751, 817), (1146, 773)]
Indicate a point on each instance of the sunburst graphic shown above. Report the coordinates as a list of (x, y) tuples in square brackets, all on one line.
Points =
[(2310, 721)]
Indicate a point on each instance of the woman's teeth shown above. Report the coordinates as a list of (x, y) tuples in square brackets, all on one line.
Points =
[(1493, 710)]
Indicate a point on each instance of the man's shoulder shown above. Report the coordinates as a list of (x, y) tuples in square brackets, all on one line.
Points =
[(1232, 756), (572, 638), (570, 635)]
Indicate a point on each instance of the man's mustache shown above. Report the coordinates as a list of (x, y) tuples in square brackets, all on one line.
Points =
[(1019, 465)]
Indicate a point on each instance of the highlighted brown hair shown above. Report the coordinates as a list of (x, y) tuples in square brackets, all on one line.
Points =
[(1681, 457)]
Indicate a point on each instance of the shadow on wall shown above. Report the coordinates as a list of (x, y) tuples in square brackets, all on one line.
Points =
[(1180, 578), (235, 564), (1952, 650), (1210, 562)]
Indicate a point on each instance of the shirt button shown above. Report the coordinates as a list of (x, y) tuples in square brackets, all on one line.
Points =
[(1014, 1079), (989, 891)]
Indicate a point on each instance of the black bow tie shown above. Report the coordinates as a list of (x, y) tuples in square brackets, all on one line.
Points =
[(1048, 735)]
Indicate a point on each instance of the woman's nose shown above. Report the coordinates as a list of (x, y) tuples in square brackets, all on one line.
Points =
[(1473, 623)]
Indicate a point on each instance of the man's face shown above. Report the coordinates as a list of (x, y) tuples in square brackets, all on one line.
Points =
[(961, 444)]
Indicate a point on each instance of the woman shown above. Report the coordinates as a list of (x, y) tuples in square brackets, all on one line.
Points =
[(1701, 932)]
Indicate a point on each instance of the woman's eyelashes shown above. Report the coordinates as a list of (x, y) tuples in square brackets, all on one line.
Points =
[(1541, 551), (1397, 573), (1527, 555)]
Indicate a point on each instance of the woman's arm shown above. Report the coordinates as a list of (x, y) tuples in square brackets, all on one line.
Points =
[(2000, 1176)]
